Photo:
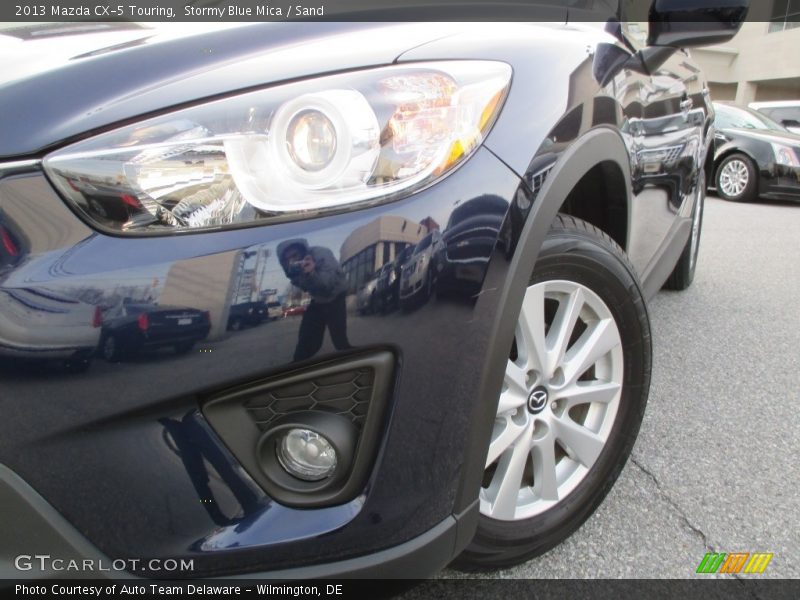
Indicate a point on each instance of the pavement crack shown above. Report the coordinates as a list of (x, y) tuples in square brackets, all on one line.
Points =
[(681, 512), (685, 518)]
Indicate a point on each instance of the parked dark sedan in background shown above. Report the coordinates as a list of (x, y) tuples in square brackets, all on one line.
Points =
[(246, 314), (471, 233), (754, 156), (388, 286), (131, 328), (484, 430)]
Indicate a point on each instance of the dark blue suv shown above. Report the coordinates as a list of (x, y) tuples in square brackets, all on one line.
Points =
[(560, 169)]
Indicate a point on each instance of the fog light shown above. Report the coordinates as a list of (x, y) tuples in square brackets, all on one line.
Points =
[(307, 455), (307, 452)]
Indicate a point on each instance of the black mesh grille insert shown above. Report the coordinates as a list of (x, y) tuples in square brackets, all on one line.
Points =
[(347, 393), (356, 388)]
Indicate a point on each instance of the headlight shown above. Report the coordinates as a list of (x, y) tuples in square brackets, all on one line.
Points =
[(784, 155), (289, 151)]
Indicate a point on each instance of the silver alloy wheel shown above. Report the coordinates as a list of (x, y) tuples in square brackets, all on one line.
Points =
[(734, 178), (540, 452)]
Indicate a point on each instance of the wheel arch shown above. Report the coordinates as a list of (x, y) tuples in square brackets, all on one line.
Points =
[(598, 146), (726, 151), (609, 211)]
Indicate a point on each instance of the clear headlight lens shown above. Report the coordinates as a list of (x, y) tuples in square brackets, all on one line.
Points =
[(289, 151), (784, 155)]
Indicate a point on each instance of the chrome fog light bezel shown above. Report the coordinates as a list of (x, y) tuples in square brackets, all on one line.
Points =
[(338, 431)]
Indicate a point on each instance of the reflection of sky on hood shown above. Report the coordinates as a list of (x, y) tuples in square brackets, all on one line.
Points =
[(30, 48)]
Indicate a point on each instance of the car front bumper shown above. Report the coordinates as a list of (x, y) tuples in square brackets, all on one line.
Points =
[(108, 465)]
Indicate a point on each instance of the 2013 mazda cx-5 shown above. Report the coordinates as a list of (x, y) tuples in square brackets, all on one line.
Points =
[(286, 163)]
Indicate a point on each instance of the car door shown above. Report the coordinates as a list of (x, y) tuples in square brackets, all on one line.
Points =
[(667, 127)]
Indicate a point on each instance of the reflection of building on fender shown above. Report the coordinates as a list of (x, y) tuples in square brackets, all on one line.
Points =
[(375, 244), (204, 283)]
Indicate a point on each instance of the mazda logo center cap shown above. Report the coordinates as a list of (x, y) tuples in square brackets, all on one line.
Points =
[(537, 400)]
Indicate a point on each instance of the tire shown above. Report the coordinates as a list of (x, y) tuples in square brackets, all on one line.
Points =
[(110, 348), (683, 273), (235, 325), (736, 178), (578, 266)]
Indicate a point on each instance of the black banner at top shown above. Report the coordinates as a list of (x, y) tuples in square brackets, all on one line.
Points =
[(26, 11)]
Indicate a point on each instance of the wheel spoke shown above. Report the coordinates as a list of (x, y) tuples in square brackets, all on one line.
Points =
[(516, 378), (508, 478), (534, 433), (581, 444), (561, 329), (505, 433), (587, 393), (530, 329), (515, 390), (545, 484), (601, 337)]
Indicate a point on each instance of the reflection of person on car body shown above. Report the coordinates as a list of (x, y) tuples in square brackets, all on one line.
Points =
[(315, 270)]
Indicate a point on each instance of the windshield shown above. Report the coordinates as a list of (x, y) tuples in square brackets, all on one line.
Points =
[(743, 118)]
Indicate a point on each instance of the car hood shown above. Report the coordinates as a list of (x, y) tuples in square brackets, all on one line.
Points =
[(67, 80), (767, 135)]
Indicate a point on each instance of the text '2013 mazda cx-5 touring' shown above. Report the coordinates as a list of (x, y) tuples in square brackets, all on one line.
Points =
[(539, 182)]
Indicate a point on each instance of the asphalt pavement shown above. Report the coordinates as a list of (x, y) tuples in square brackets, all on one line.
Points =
[(716, 467)]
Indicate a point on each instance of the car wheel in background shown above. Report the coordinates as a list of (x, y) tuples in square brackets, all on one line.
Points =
[(110, 348), (683, 273), (236, 324), (572, 400), (737, 178)]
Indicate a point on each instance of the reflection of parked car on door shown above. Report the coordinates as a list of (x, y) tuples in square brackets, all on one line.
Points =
[(246, 314), (129, 329), (754, 156), (467, 242), (416, 276), (274, 310), (389, 281), (41, 324), (293, 311), (367, 297)]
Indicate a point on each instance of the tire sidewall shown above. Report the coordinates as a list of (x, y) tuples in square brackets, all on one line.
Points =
[(596, 264), (749, 191)]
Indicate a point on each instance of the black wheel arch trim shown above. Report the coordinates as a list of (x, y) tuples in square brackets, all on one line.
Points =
[(598, 145)]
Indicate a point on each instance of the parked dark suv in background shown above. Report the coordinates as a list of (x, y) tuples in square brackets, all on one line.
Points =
[(485, 425)]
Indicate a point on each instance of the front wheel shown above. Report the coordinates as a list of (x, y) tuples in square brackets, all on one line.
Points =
[(737, 178), (572, 400)]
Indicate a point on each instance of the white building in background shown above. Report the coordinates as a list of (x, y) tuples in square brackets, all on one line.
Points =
[(762, 62)]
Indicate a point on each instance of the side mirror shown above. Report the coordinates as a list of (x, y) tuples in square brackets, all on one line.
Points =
[(790, 123), (686, 23)]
